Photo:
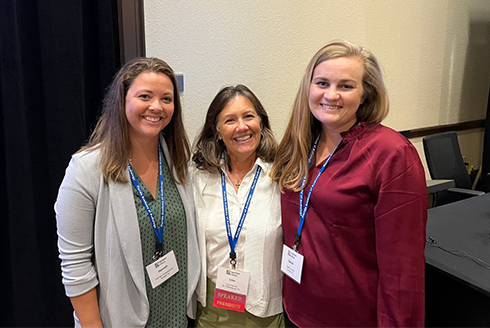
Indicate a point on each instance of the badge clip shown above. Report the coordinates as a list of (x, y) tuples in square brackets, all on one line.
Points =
[(158, 251), (233, 260), (297, 238)]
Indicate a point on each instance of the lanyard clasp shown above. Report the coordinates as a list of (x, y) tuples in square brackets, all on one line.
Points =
[(297, 238), (233, 260)]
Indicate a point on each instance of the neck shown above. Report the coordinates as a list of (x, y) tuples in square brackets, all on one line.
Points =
[(146, 150), (326, 145), (241, 166), (330, 139)]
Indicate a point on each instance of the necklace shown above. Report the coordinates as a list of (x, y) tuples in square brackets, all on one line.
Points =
[(233, 175), (237, 184)]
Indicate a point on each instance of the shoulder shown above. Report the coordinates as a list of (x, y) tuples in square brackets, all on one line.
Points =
[(381, 140), (380, 146), (83, 174), (196, 175), (384, 136), (392, 155), (84, 169), (194, 171), (89, 158), (86, 162), (265, 166)]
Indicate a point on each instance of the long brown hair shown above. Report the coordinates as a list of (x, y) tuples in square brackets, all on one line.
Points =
[(291, 162), (209, 151), (111, 134)]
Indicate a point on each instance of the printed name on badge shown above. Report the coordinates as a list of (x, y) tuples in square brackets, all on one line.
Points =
[(292, 263), (162, 269), (231, 289)]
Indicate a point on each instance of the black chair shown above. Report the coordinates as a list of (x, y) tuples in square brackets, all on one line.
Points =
[(444, 161)]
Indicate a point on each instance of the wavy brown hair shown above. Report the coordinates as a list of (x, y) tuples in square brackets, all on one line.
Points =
[(291, 162), (209, 151), (111, 133)]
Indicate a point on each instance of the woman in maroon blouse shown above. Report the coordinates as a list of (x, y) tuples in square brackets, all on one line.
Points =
[(354, 207)]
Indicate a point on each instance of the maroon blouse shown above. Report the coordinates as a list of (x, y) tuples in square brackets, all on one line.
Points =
[(363, 238)]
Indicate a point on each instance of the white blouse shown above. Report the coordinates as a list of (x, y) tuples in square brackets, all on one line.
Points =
[(259, 246)]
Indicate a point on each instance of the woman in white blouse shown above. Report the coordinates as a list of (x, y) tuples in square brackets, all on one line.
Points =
[(238, 215)]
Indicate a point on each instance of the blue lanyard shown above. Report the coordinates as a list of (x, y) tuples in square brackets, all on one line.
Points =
[(304, 209), (233, 240), (158, 231)]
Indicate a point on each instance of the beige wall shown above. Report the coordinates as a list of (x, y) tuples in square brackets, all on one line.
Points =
[(435, 54)]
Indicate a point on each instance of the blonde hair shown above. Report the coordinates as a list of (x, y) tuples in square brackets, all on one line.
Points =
[(111, 134), (291, 163)]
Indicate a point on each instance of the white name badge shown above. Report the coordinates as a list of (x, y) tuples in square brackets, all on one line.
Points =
[(231, 289), (292, 263), (233, 280), (162, 269)]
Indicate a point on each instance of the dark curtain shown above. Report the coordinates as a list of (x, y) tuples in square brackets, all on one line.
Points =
[(56, 59)]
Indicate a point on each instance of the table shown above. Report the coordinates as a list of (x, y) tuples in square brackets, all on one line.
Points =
[(436, 185), (458, 289)]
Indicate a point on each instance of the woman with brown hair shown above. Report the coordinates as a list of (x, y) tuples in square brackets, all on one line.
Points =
[(238, 215), (354, 206), (124, 209)]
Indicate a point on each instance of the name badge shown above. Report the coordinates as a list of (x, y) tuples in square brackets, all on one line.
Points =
[(162, 269), (292, 263), (231, 289)]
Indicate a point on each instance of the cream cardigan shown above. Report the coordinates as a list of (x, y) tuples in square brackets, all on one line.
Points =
[(100, 246)]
